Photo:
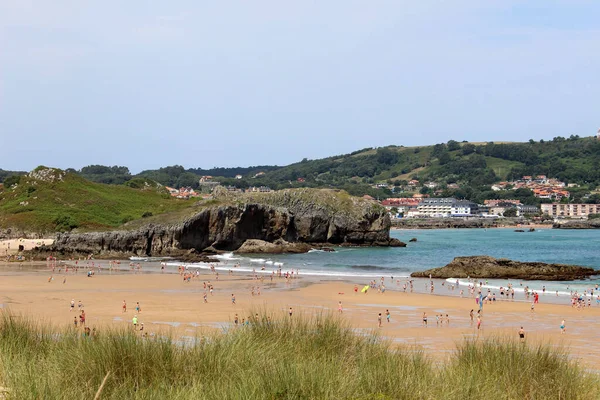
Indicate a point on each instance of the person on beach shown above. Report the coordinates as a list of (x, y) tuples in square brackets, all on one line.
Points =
[(471, 315), (205, 297), (75, 321), (124, 306), (72, 305), (138, 309), (82, 318), (478, 323), (134, 321), (387, 315), (522, 334), (232, 299), (563, 327), (425, 319), (379, 320), (290, 312), (340, 309), (236, 320)]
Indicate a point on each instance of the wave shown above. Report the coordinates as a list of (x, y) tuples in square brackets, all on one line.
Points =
[(369, 268), (226, 256), (516, 289), (301, 272)]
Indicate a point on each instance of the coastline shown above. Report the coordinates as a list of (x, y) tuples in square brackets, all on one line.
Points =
[(168, 304)]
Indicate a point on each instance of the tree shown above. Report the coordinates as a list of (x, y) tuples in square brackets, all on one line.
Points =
[(386, 156), (453, 145), (468, 149), (510, 212)]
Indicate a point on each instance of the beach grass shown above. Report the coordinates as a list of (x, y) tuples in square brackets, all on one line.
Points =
[(300, 357)]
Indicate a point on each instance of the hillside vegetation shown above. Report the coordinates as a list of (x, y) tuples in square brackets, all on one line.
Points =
[(474, 166), (49, 200)]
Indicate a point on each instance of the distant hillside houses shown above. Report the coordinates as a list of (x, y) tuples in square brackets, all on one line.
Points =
[(183, 192), (540, 185)]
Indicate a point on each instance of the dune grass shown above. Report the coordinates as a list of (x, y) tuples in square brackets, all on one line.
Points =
[(304, 357)]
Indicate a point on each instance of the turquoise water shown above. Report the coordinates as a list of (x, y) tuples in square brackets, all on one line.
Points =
[(436, 248)]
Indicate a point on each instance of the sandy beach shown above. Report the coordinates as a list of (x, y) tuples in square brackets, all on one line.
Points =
[(11, 246), (168, 303)]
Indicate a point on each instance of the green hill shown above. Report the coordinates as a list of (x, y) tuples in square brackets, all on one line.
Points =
[(473, 166), (48, 200)]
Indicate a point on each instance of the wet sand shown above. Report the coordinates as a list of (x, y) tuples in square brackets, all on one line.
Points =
[(170, 304)]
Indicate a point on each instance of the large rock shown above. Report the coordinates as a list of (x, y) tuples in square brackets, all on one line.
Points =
[(492, 268), (227, 228), (253, 246), (577, 224)]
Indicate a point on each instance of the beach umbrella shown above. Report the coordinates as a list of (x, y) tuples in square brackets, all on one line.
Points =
[(364, 290)]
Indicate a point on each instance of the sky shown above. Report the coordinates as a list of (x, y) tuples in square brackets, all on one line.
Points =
[(147, 84)]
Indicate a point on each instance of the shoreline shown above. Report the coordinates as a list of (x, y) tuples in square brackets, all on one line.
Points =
[(430, 227), (168, 304)]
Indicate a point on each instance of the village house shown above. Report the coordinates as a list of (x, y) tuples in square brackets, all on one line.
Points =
[(182, 193), (403, 205), (259, 189)]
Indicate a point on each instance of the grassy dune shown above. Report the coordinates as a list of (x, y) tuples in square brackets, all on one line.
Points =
[(49, 204), (317, 357)]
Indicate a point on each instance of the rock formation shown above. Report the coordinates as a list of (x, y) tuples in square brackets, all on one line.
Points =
[(293, 227), (502, 268)]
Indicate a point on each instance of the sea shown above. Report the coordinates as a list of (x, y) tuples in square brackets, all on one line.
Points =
[(436, 248)]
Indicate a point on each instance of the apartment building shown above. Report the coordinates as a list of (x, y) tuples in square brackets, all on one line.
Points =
[(558, 210)]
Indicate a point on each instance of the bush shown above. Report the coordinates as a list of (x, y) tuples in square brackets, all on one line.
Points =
[(12, 180), (65, 223), (146, 214)]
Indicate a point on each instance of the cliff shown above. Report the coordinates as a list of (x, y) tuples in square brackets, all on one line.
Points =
[(502, 268), (227, 227)]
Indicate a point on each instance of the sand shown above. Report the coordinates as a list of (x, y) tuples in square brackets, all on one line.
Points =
[(12, 246), (169, 303)]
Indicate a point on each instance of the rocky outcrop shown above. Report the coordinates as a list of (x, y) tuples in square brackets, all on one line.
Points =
[(581, 224), (227, 228), (502, 268), (254, 246)]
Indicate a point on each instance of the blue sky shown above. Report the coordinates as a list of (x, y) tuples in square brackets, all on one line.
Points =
[(202, 84)]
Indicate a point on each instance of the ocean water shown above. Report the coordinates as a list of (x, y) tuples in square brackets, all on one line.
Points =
[(436, 248)]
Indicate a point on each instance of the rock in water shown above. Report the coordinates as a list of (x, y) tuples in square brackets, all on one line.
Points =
[(502, 268)]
